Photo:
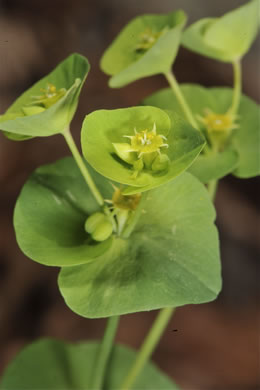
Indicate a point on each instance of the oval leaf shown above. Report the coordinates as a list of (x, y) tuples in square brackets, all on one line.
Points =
[(104, 128), (22, 121), (171, 258), (50, 214), (147, 46), (226, 38), (51, 365), (241, 155)]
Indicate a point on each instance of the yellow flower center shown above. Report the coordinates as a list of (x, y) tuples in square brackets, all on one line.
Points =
[(145, 141), (219, 122), (149, 37), (122, 207), (129, 202), (50, 95)]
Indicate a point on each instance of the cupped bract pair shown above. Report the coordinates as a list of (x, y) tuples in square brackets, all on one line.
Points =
[(239, 152), (47, 107)]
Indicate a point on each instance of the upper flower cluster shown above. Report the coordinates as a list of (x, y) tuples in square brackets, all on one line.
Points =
[(144, 150)]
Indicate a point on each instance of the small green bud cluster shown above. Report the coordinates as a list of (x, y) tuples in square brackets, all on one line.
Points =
[(99, 226)]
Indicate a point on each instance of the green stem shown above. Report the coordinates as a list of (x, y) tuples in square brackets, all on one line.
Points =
[(212, 189), (184, 105), (237, 87), (148, 346), (104, 353), (82, 167), (134, 218)]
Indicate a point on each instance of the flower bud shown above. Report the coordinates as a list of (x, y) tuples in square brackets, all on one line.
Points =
[(160, 163), (103, 231), (93, 221)]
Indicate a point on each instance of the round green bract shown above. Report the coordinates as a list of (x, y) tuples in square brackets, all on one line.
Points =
[(51, 365), (170, 259), (226, 38), (70, 74), (241, 155), (104, 127), (50, 214), (125, 64)]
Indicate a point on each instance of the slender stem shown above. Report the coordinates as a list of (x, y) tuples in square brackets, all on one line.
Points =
[(148, 346), (184, 105), (212, 189), (92, 186), (237, 87), (104, 353)]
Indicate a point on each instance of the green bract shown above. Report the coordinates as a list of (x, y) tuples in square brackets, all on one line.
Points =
[(226, 38), (50, 214), (51, 365), (240, 155), (146, 46), (163, 263), (121, 145), (47, 107)]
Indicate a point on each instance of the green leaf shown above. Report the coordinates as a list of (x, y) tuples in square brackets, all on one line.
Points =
[(50, 214), (241, 155), (170, 259), (226, 38), (246, 139), (51, 365), (69, 75), (214, 166), (126, 61), (101, 129)]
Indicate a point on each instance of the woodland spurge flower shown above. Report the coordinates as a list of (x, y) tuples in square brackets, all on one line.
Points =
[(144, 150), (50, 95), (148, 38), (122, 207), (218, 127), (218, 122)]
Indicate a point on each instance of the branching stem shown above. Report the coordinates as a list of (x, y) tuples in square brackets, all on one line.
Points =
[(148, 347), (104, 353), (237, 87), (83, 169), (212, 189), (181, 99)]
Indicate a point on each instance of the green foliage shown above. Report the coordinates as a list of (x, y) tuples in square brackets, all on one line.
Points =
[(48, 107), (104, 129), (51, 365), (240, 155), (50, 214), (147, 46), (164, 263), (226, 38)]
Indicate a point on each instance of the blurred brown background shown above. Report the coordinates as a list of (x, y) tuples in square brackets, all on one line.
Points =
[(216, 345)]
